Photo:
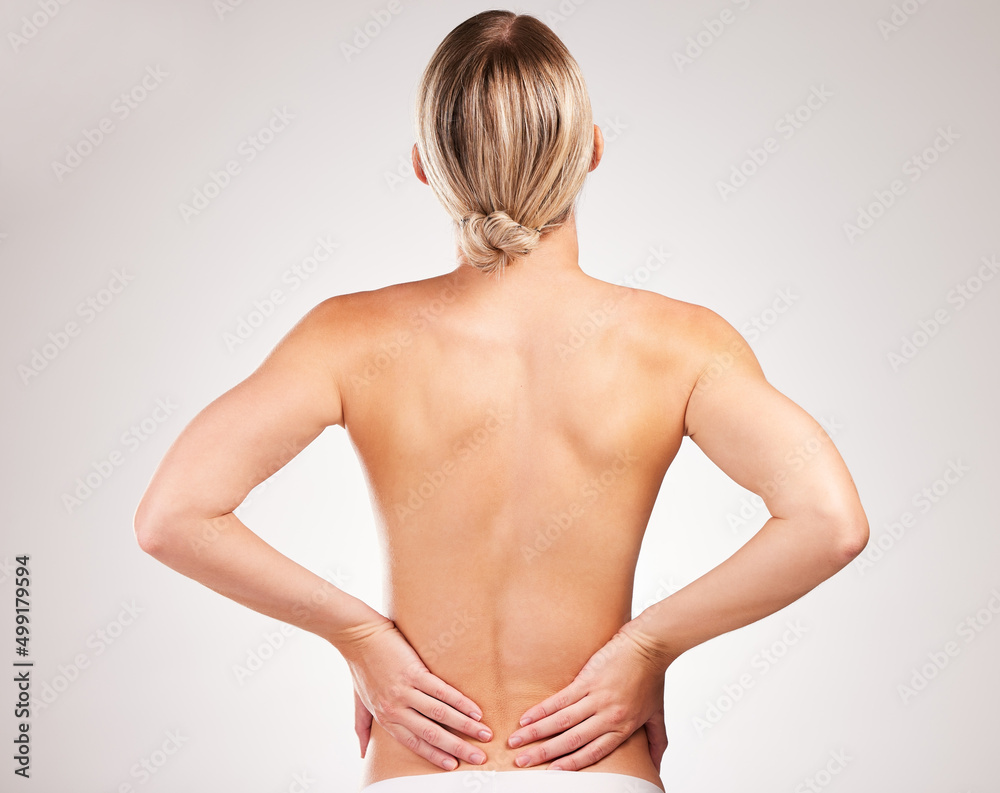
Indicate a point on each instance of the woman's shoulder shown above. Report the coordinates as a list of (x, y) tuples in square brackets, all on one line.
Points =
[(371, 306), (395, 292), (670, 335), (662, 318)]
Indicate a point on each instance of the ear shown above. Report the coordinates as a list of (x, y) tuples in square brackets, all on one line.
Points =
[(417, 168), (598, 148)]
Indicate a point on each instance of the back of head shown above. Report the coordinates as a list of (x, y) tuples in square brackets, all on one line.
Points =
[(505, 133)]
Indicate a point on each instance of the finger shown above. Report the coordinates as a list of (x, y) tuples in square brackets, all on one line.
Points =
[(594, 730), (436, 736), (434, 686), (438, 711), (596, 750), (561, 699), (582, 735), (419, 746), (558, 722)]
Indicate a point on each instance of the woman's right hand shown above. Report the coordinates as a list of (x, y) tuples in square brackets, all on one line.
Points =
[(409, 702)]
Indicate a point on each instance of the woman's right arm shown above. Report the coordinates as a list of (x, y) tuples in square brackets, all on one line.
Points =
[(772, 447), (186, 520)]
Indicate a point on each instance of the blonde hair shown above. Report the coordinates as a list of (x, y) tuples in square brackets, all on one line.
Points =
[(505, 134)]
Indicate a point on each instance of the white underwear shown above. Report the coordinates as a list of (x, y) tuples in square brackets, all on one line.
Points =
[(514, 782)]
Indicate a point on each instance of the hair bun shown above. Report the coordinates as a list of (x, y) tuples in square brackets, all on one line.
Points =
[(505, 133), (492, 241)]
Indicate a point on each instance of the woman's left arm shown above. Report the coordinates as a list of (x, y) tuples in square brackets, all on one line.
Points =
[(185, 520)]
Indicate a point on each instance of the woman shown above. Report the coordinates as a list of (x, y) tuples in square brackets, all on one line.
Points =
[(514, 418)]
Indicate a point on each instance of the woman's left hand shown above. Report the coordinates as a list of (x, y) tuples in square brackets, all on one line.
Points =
[(619, 690)]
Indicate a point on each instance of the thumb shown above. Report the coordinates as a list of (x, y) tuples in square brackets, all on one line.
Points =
[(362, 723), (656, 734)]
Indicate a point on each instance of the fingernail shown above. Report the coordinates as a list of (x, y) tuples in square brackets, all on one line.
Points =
[(478, 758), (485, 735), (522, 760), (515, 741), (525, 720), (475, 715), (451, 763)]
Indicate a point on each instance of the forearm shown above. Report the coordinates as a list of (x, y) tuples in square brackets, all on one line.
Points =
[(227, 557), (786, 559)]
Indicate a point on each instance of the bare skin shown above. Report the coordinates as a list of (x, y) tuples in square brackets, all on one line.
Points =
[(514, 435)]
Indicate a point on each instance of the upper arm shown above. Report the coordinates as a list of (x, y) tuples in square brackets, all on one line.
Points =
[(253, 429), (761, 438)]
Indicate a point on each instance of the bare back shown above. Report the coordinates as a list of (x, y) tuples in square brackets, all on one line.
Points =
[(513, 460)]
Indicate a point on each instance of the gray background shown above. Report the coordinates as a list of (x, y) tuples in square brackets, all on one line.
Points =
[(338, 170)]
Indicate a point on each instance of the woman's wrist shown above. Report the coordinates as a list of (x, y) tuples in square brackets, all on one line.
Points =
[(355, 625), (648, 634)]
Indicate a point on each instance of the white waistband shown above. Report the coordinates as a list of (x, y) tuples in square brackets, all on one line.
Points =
[(514, 782)]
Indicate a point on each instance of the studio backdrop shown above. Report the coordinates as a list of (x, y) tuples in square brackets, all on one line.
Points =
[(181, 181)]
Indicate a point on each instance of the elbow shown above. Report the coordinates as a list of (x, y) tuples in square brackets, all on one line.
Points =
[(172, 535), (150, 539), (149, 542), (148, 527), (165, 540), (854, 540), (852, 533), (843, 527)]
